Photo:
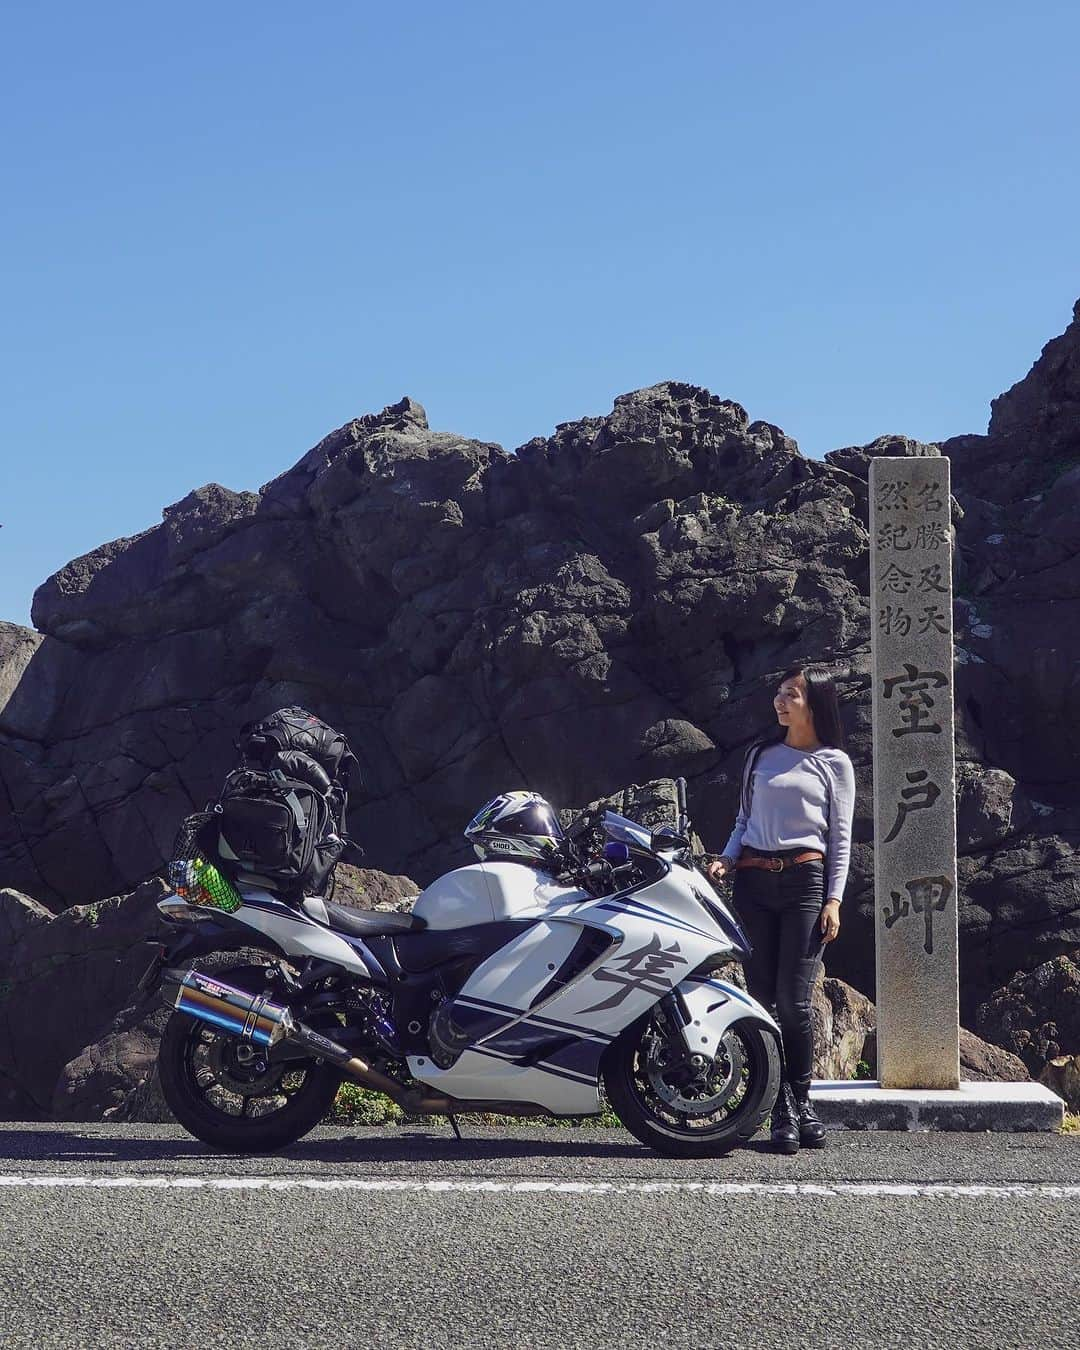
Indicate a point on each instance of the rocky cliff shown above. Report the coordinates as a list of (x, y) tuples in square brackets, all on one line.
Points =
[(606, 606)]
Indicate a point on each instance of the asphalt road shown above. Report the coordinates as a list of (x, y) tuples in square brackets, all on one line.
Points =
[(138, 1236)]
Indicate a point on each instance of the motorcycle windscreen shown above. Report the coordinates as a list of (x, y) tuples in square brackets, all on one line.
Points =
[(625, 831)]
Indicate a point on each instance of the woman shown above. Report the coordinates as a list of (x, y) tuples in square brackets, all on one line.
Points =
[(789, 853)]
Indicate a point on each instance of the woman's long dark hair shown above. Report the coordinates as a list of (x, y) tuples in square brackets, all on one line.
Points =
[(824, 704), (825, 707)]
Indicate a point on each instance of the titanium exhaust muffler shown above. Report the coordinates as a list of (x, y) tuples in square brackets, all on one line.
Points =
[(254, 1017)]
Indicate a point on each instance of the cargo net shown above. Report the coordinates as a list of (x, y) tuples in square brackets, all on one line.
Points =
[(192, 875)]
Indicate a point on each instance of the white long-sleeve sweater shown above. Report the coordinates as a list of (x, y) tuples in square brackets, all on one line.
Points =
[(800, 799)]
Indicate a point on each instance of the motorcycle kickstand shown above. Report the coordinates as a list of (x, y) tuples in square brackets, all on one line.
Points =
[(454, 1126)]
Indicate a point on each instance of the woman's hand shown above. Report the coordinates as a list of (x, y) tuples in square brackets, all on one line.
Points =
[(719, 868), (830, 919)]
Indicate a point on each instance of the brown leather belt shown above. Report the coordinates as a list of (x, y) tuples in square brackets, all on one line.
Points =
[(778, 864)]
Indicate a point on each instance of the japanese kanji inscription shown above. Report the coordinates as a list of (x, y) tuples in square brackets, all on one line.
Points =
[(914, 774)]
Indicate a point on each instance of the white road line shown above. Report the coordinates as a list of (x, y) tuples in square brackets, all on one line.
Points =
[(947, 1190)]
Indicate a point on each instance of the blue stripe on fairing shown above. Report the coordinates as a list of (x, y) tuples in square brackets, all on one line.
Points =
[(581, 1057), (635, 904), (581, 1054), (723, 988), (523, 1038), (569, 1075), (279, 908), (677, 924), (573, 1077), (484, 1004)]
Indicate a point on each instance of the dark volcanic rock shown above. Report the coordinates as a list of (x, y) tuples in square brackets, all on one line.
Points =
[(115, 1076), (63, 978), (610, 605), (1019, 574), (473, 620), (1037, 1014), (843, 1022), (982, 1062), (364, 888), (652, 804), (1062, 1075)]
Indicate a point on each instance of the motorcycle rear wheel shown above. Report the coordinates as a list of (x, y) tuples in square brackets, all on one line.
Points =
[(702, 1118), (214, 1086)]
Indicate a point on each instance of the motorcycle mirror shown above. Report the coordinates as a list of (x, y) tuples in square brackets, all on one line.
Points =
[(667, 837), (683, 824), (581, 824)]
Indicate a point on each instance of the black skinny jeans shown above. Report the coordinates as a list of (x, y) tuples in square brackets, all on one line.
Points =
[(781, 915)]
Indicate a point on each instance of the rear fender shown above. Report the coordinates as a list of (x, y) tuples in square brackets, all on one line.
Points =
[(202, 938), (712, 1007)]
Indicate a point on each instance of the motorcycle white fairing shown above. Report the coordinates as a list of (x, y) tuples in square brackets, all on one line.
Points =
[(514, 1001)]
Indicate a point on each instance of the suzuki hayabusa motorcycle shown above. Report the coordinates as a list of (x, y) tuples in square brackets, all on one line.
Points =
[(510, 988)]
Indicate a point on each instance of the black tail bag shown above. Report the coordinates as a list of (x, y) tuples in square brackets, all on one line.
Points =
[(281, 813)]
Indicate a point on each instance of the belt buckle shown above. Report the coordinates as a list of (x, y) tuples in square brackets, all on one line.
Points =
[(776, 864)]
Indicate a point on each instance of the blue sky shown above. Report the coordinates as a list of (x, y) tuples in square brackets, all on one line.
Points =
[(227, 229)]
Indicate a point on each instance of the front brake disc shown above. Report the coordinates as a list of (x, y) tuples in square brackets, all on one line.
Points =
[(705, 1091)]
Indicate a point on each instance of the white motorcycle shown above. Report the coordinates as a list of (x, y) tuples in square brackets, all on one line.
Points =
[(509, 988)]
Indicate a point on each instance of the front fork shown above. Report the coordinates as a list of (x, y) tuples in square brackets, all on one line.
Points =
[(670, 1017), (695, 1017)]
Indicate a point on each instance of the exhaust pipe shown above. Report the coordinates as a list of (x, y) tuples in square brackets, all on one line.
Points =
[(253, 1017)]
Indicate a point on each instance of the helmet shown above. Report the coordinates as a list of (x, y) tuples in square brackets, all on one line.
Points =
[(515, 826)]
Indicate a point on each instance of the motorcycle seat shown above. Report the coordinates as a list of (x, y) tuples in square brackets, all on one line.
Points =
[(368, 923)]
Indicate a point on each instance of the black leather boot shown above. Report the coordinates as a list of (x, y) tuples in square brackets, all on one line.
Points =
[(784, 1130), (811, 1130)]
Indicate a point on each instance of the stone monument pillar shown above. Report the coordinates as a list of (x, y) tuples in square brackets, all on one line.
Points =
[(914, 774)]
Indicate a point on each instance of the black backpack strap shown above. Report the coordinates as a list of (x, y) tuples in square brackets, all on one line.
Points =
[(291, 799), (746, 792)]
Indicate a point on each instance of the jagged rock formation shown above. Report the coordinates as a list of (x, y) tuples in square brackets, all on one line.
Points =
[(1037, 1014), (1062, 1075), (61, 980), (611, 604)]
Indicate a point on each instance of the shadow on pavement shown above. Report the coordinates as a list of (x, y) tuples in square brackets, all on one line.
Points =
[(79, 1144)]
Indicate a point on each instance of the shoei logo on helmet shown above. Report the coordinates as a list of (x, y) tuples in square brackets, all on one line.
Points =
[(518, 826)]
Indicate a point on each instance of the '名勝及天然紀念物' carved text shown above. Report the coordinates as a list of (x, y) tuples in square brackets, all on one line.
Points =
[(914, 773)]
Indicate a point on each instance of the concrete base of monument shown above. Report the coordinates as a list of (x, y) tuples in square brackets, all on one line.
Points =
[(866, 1105)]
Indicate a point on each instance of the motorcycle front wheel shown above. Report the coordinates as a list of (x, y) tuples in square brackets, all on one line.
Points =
[(694, 1110), (228, 1093)]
